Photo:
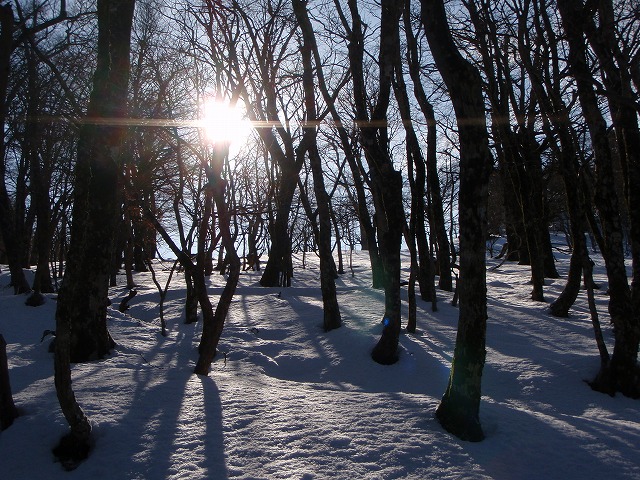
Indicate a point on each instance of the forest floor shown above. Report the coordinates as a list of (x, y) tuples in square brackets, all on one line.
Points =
[(284, 400)]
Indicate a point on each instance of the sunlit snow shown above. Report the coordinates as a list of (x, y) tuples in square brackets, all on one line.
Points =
[(286, 400)]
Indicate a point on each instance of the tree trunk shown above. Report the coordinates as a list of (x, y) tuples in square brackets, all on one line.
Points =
[(81, 323), (620, 96), (191, 298), (213, 322), (279, 269), (417, 182), (458, 411), (331, 310), (386, 182), (8, 410), (7, 212), (436, 211), (336, 229), (621, 373), (83, 296), (39, 189)]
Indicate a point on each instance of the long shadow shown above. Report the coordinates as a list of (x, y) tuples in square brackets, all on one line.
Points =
[(331, 355), (163, 429), (214, 458), (524, 443)]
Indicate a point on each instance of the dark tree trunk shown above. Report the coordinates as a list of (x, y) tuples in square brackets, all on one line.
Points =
[(213, 322), (336, 229), (557, 124), (8, 410), (81, 314), (191, 298), (621, 373), (436, 211), (39, 190), (386, 182), (368, 231), (417, 182), (523, 174), (83, 297), (279, 269), (331, 310), (623, 107), (7, 212), (458, 411)]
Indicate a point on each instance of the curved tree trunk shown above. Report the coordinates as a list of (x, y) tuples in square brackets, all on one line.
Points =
[(331, 310), (81, 327), (7, 212), (213, 323), (436, 211), (618, 81), (386, 182), (458, 411), (621, 373), (417, 182)]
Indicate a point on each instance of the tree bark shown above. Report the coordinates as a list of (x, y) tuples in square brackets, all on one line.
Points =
[(7, 212), (417, 182), (621, 373), (83, 296), (520, 165), (331, 310), (81, 325), (213, 324), (435, 212), (8, 410), (623, 106), (458, 411), (386, 182)]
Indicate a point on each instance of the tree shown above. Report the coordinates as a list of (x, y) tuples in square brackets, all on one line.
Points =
[(81, 324), (613, 57), (621, 373), (212, 327), (309, 143), (8, 410), (458, 411), (386, 181), (12, 241), (435, 207), (540, 57), (417, 175)]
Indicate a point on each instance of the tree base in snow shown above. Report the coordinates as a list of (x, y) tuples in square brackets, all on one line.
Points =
[(608, 382), (71, 451), (8, 410), (36, 299), (460, 423), (386, 350)]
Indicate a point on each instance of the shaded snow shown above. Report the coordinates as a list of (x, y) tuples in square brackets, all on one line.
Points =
[(286, 400)]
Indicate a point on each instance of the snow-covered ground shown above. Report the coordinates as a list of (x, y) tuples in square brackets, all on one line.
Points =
[(287, 400)]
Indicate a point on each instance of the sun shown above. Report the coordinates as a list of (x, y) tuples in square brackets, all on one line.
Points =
[(223, 123)]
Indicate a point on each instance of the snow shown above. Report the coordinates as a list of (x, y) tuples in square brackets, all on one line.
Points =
[(286, 400)]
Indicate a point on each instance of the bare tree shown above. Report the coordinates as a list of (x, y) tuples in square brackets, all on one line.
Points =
[(621, 372), (458, 411), (386, 181), (309, 48), (81, 329)]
